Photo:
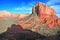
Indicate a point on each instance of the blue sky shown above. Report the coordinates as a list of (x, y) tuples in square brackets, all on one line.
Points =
[(25, 6)]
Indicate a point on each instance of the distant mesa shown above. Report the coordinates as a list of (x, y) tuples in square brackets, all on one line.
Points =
[(6, 14)]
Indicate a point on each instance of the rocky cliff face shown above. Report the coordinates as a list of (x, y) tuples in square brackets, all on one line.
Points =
[(44, 10), (43, 14), (42, 20), (46, 14)]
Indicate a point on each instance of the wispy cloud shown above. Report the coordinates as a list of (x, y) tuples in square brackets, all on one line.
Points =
[(52, 2), (26, 8), (58, 15), (55, 4), (23, 8), (56, 7)]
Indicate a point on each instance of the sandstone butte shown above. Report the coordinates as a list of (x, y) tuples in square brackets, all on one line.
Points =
[(46, 14), (41, 13)]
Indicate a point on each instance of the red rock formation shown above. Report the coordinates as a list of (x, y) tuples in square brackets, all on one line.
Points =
[(43, 14), (58, 21), (46, 14), (44, 11)]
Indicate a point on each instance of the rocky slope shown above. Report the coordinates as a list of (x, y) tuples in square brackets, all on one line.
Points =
[(42, 20), (44, 14)]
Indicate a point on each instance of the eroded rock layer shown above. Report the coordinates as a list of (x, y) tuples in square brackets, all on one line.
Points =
[(46, 14), (42, 20)]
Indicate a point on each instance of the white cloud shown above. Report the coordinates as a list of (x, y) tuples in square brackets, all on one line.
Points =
[(54, 4), (23, 8), (56, 7), (51, 2), (58, 15)]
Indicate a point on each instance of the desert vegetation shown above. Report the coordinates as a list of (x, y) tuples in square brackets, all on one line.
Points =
[(16, 32)]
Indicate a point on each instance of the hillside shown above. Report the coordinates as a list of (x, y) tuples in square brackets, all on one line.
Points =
[(42, 20)]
